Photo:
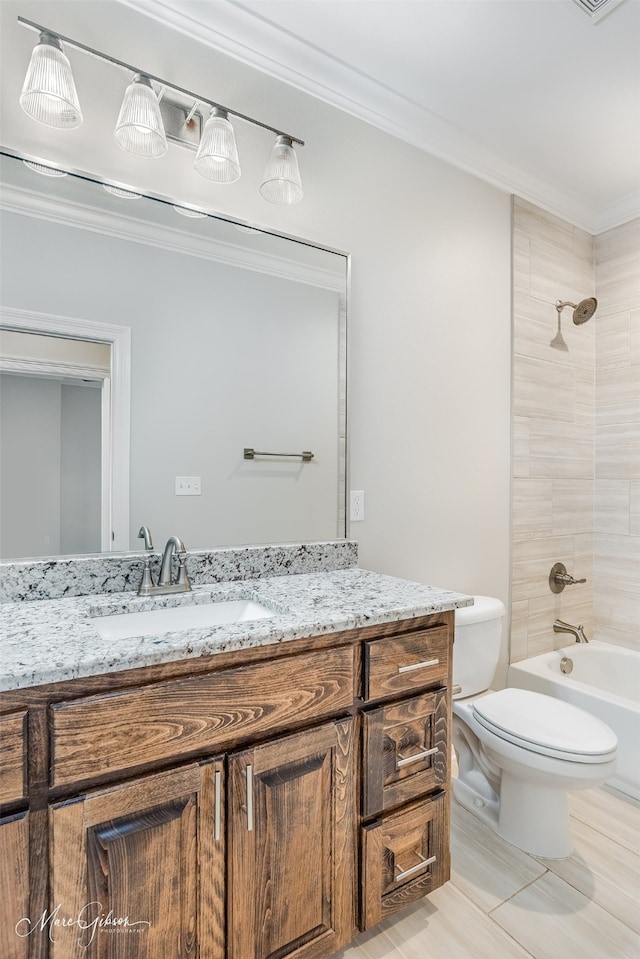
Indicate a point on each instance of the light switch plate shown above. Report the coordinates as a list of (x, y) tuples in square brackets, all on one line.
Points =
[(188, 486)]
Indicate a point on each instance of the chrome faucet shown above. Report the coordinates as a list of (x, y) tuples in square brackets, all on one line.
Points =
[(145, 533), (577, 631), (166, 582)]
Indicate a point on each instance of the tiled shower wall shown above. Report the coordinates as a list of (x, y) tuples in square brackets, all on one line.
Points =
[(576, 457), (554, 426), (617, 440)]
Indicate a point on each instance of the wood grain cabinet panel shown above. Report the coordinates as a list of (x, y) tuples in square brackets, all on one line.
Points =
[(98, 735), (12, 756), (404, 856), (291, 870), (139, 869), (405, 751), (14, 887), (403, 664)]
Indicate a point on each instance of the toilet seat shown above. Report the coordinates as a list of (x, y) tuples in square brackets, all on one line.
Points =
[(547, 726)]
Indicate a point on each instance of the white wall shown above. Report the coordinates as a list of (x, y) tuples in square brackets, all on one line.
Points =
[(80, 468), (429, 333)]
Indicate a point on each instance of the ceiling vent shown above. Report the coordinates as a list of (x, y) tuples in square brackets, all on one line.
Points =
[(597, 9)]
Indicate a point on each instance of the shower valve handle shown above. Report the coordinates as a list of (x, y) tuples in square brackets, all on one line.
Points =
[(559, 578)]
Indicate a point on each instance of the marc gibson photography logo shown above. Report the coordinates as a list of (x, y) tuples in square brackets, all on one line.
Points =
[(89, 921)]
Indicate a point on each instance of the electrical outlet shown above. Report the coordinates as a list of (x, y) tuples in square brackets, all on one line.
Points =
[(188, 486), (356, 505)]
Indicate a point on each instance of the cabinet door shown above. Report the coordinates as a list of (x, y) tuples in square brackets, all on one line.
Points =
[(15, 919), (127, 866), (292, 817)]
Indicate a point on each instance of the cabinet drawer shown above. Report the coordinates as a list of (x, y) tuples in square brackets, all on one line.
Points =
[(13, 755), (404, 856), (404, 751), (401, 664), (101, 734)]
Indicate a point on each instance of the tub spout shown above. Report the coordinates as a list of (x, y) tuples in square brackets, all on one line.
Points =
[(577, 631)]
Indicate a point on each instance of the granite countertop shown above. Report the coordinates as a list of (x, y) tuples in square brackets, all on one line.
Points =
[(47, 641)]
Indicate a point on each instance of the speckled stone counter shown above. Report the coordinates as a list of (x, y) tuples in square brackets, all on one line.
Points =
[(46, 641), (56, 577)]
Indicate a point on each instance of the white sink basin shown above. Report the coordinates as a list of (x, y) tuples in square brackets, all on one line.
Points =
[(171, 619)]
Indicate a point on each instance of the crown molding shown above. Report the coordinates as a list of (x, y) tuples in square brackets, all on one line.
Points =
[(247, 37), (29, 203)]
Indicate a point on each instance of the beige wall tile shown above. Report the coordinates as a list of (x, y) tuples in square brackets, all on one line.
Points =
[(532, 507), (618, 450), (618, 396), (634, 337), (520, 431), (518, 635), (540, 392), (634, 506), (560, 449), (572, 506), (572, 607), (612, 340), (618, 562), (521, 265), (612, 506)]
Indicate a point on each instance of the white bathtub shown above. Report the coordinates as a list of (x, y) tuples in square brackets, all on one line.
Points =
[(606, 682)]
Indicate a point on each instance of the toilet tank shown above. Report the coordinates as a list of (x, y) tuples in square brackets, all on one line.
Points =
[(478, 631)]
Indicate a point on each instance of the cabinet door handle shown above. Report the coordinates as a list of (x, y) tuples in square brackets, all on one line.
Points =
[(414, 869), (249, 798), (407, 760), (217, 806), (423, 665)]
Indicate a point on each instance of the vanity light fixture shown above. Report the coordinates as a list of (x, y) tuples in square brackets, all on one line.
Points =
[(140, 129), (49, 91)]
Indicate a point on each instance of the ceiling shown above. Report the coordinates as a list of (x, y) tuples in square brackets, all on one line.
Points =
[(534, 96)]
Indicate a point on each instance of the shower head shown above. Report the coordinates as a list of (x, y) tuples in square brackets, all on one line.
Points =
[(582, 311)]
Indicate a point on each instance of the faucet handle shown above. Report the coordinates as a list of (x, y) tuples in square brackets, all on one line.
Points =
[(182, 578), (146, 584)]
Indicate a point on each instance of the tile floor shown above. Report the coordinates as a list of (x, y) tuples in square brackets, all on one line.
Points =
[(504, 904)]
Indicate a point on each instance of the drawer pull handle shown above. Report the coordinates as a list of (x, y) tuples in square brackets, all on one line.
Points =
[(414, 869), (249, 798), (427, 662), (216, 805), (407, 760)]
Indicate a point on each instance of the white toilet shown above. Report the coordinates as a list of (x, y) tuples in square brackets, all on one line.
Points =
[(518, 751)]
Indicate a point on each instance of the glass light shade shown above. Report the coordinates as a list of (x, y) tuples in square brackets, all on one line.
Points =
[(281, 182), (217, 156), (121, 192), (43, 169), (49, 91), (139, 129), (188, 211)]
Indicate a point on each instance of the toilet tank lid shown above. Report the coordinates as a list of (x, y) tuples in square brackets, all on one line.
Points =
[(484, 608)]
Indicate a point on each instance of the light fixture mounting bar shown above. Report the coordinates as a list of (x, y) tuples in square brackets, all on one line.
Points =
[(166, 83)]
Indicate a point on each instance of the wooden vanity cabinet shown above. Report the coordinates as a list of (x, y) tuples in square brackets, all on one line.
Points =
[(258, 805)]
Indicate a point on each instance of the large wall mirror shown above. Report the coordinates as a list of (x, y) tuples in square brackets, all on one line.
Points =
[(143, 351)]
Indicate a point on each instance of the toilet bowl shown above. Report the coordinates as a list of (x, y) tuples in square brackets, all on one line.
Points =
[(519, 752)]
